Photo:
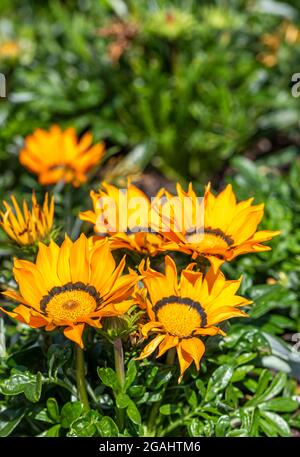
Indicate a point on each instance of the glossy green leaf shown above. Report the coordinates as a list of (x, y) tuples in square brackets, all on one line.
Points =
[(218, 381), (108, 377), (70, 412), (133, 413), (107, 427)]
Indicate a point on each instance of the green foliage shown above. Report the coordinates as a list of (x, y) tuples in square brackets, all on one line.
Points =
[(189, 80)]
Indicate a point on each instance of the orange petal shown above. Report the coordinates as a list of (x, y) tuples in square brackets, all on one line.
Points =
[(75, 333), (195, 348)]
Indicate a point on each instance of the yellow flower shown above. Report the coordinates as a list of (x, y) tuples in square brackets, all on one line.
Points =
[(9, 49), (71, 286), (57, 155), (27, 227), (181, 311), (125, 217), (230, 228)]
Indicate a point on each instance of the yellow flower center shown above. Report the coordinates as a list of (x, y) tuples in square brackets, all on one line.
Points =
[(180, 316), (70, 302), (211, 240)]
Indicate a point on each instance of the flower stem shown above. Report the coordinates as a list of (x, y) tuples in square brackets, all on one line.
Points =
[(171, 356), (120, 371), (80, 378), (154, 412)]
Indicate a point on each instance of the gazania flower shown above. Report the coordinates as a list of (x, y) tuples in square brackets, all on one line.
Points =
[(181, 312), (125, 218), (9, 49), (229, 228), (28, 226), (70, 286), (57, 155)]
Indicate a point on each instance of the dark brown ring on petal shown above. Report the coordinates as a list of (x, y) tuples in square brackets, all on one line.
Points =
[(182, 301), (137, 229), (219, 233), (69, 287)]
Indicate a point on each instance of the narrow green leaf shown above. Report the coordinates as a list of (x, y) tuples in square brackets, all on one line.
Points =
[(7, 427), (130, 374), (133, 413), (52, 409)]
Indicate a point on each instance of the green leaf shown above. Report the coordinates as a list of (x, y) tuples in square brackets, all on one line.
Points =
[(52, 409), (23, 382), (277, 422), (218, 381), (70, 412), (267, 428), (133, 413), (255, 423), (264, 379), (85, 425), (264, 393), (107, 427), (201, 387), (241, 372), (8, 426), (108, 377), (222, 425), (58, 355), (276, 386), (130, 374), (51, 432), (281, 405), (195, 428), (122, 400), (43, 416), (168, 409), (136, 391), (192, 398)]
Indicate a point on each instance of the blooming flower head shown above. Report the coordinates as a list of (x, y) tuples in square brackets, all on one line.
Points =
[(182, 311), (27, 226), (70, 286), (229, 227), (123, 215), (56, 155)]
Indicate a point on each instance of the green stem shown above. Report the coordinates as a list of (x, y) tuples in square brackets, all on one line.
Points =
[(154, 412), (80, 378), (171, 356), (120, 371)]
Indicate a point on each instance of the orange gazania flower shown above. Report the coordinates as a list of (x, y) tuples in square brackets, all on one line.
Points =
[(182, 311), (230, 228), (9, 49), (57, 155), (125, 218), (70, 286), (25, 226)]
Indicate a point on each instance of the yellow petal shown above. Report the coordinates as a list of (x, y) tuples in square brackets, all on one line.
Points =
[(151, 347)]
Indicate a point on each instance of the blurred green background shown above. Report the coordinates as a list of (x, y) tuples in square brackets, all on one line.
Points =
[(195, 82)]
